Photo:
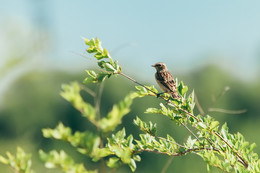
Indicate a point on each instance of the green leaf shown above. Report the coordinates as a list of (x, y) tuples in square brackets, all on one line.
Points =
[(105, 53), (60, 132), (55, 159), (153, 111), (224, 131), (149, 128), (20, 162), (109, 67), (99, 153), (191, 102), (102, 76), (114, 162), (85, 142), (190, 142), (117, 66), (121, 147), (101, 64), (214, 125), (137, 158), (92, 77), (202, 125), (99, 56), (182, 88), (98, 44), (91, 73), (142, 91), (164, 109), (132, 165), (89, 80), (3, 160), (89, 42)]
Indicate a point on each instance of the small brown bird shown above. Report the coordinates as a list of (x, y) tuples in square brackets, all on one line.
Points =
[(165, 80)]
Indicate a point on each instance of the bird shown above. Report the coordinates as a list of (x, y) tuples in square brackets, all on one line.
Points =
[(165, 80)]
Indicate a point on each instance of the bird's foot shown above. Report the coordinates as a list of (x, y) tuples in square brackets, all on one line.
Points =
[(159, 94)]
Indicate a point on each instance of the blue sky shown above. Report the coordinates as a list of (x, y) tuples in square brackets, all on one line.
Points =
[(185, 34)]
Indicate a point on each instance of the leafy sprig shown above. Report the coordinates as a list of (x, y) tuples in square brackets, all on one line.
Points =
[(208, 139), (55, 159), (20, 162)]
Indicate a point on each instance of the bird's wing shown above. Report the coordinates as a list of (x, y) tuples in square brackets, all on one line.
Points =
[(166, 79)]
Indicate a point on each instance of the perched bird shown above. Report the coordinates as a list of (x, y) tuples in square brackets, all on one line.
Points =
[(165, 80)]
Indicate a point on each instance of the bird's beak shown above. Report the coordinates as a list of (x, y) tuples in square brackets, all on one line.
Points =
[(153, 65)]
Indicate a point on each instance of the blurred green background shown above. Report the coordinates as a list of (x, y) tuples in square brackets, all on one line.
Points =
[(212, 46)]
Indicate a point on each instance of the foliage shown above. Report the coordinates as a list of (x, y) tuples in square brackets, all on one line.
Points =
[(91, 144), (113, 148), (208, 139), (20, 163), (61, 160)]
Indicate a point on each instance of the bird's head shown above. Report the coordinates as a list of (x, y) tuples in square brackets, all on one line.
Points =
[(159, 66)]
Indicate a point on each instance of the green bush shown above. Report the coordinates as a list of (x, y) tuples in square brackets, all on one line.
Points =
[(112, 148)]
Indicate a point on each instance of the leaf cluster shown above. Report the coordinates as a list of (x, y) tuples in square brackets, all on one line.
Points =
[(219, 148), (117, 150), (61, 160), (20, 163), (105, 62), (113, 148)]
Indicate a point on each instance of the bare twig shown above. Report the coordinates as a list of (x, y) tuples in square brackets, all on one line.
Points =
[(215, 99), (190, 131), (227, 111), (137, 83), (200, 109), (89, 91), (167, 164), (177, 153), (97, 100)]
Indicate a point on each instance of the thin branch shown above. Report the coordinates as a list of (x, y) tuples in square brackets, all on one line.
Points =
[(188, 113), (190, 131), (177, 153), (200, 109), (89, 91), (137, 83), (225, 89), (215, 99), (98, 99), (167, 100), (227, 111), (84, 56), (97, 108), (240, 159), (167, 164), (170, 141)]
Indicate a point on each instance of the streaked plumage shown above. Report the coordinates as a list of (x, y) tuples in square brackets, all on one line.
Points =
[(165, 80)]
